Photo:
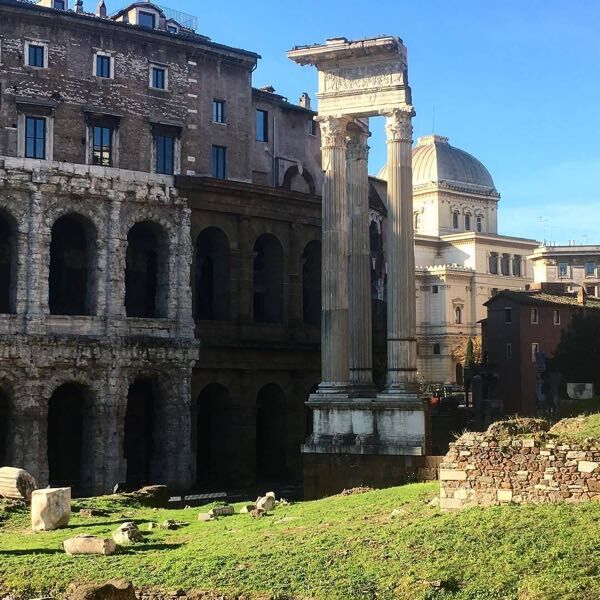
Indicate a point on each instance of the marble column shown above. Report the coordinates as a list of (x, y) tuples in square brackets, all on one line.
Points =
[(400, 255), (359, 275), (335, 314)]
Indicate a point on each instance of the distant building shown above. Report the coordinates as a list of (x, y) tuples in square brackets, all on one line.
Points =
[(521, 332), (461, 260), (573, 266)]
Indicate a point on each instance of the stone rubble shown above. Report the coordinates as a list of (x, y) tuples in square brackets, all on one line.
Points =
[(127, 533), (50, 509), (89, 544)]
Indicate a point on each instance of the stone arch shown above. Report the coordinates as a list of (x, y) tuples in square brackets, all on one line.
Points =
[(268, 280), (72, 274), (215, 444), (272, 451), (8, 262), (298, 181), (311, 283), (212, 275), (147, 271), (70, 435)]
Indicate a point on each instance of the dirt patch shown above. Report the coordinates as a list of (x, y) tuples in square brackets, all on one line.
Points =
[(356, 490), (513, 427)]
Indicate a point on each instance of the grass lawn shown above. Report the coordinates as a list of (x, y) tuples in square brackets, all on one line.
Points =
[(342, 547)]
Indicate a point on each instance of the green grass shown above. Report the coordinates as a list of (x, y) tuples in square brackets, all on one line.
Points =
[(577, 429), (337, 548)]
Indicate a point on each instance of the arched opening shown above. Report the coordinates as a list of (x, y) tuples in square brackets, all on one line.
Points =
[(70, 436), (268, 280), (271, 435), (417, 221), (479, 224), (72, 275), (4, 408), (468, 222), (212, 283), (8, 264), (146, 271), (214, 435), (454, 220), (458, 315), (297, 181), (139, 441), (311, 283)]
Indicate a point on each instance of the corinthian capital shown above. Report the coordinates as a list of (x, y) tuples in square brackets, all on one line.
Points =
[(333, 131), (398, 124), (358, 149)]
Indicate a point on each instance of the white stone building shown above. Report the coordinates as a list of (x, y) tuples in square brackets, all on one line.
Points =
[(572, 266), (461, 260)]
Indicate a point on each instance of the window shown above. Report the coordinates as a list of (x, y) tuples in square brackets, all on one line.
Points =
[(35, 137), (437, 349), (146, 19), (262, 126), (590, 268), (562, 269), (509, 351), (417, 220), (35, 56), (312, 127), (172, 29), (165, 153), (517, 265), (508, 316), (218, 111), (590, 290), (556, 317), (534, 316), (535, 350), (219, 160), (493, 263), (468, 222), (158, 78), (102, 146), (479, 224), (455, 220), (505, 264), (493, 292), (103, 66), (434, 289), (59, 4), (458, 315)]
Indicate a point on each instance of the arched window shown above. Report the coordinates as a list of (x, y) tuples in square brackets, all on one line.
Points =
[(311, 283), (8, 264), (142, 421), (147, 271), (458, 315), (217, 447), (493, 266), (72, 276), (296, 181), (212, 276), (268, 280), (468, 222), (272, 439), (417, 219), (455, 220), (479, 223), (70, 437)]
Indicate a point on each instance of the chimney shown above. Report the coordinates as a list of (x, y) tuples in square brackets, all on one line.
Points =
[(101, 9), (268, 88), (305, 100), (79, 6), (581, 296)]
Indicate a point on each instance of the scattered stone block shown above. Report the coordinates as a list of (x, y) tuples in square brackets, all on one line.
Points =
[(505, 495), (434, 502), (266, 502), (16, 484), (127, 534), (451, 503), (248, 508), (397, 512), (206, 517), (117, 589), (257, 513), (171, 524), (154, 496), (50, 509), (587, 466), (88, 513), (222, 511), (89, 544)]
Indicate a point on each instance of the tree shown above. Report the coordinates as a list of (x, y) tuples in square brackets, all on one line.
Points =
[(469, 354), (577, 356)]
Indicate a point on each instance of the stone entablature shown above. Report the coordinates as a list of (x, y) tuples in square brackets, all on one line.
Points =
[(482, 470)]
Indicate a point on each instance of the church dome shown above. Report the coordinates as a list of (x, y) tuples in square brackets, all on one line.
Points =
[(436, 161)]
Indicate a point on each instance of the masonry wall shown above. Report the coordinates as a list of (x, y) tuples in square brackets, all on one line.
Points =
[(481, 470)]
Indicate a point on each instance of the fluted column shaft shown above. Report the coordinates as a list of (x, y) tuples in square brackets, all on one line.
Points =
[(334, 312), (359, 275), (401, 302)]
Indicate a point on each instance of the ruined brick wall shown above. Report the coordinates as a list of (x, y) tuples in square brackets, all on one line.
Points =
[(482, 470)]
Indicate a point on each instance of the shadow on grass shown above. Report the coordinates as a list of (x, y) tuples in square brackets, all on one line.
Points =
[(30, 551), (135, 549), (105, 523)]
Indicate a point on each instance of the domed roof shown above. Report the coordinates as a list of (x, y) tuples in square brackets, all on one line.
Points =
[(436, 161)]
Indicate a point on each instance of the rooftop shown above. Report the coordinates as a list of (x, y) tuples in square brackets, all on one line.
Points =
[(542, 298)]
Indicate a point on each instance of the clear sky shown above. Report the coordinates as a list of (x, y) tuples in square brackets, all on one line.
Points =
[(515, 83)]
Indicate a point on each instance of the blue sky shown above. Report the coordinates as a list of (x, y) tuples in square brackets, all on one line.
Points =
[(515, 83)]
